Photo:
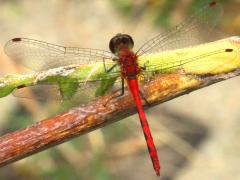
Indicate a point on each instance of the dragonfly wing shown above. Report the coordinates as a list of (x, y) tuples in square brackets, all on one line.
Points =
[(90, 90), (188, 33), (83, 93), (39, 55), (204, 59), (51, 85), (41, 92)]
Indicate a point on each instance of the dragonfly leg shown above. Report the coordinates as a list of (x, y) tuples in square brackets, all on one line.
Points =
[(110, 69), (119, 95), (143, 67)]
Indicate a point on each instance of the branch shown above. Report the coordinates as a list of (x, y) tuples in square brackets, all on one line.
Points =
[(105, 110)]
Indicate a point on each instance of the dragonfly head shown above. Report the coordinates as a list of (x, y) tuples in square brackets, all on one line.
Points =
[(120, 42)]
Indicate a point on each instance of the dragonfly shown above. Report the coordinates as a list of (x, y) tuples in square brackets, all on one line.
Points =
[(75, 69)]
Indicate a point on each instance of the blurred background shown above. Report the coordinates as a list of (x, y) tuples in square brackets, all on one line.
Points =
[(197, 135)]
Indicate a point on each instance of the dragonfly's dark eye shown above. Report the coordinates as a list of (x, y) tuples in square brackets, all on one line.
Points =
[(119, 41)]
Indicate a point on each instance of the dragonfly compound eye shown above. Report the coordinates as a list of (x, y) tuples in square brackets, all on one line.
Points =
[(120, 41)]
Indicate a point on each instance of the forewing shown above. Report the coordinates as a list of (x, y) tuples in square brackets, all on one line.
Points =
[(188, 33), (39, 55)]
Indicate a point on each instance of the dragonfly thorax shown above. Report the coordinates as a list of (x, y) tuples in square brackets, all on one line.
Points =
[(128, 64)]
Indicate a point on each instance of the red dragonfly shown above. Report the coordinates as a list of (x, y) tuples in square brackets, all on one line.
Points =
[(45, 55)]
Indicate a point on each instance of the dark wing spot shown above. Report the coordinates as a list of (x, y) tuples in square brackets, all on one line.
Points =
[(228, 50), (17, 39), (213, 3), (21, 86)]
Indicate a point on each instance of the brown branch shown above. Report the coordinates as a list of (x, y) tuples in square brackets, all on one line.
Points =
[(105, 110)]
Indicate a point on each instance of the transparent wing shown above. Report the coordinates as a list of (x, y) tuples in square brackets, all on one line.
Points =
[(203, 62), (44, 92), (39, 55), (188, 33), (88, 91), (39, 92), (84, 80), (87, 82)]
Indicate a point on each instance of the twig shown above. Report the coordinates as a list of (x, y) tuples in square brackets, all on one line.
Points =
[(101, 112)]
